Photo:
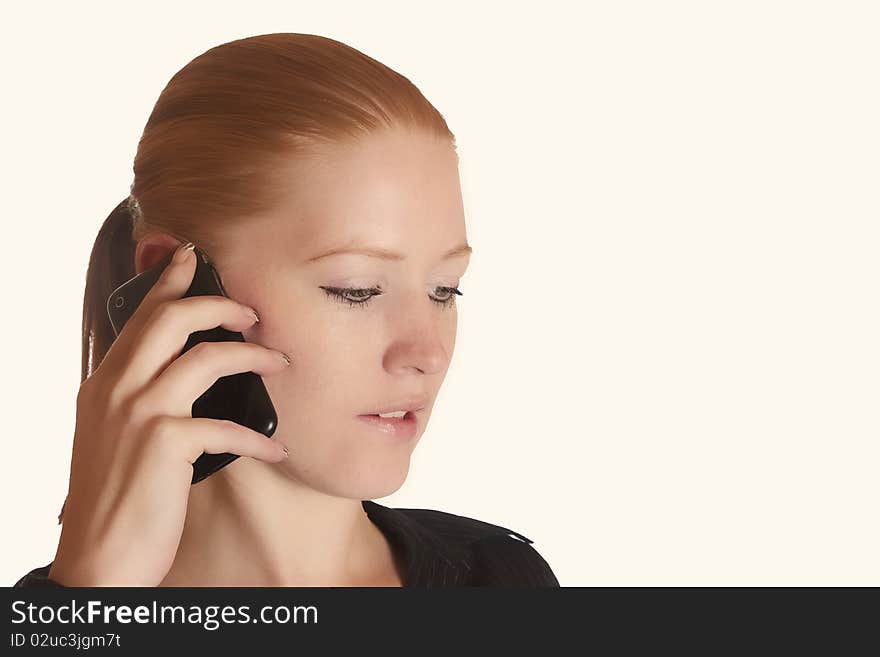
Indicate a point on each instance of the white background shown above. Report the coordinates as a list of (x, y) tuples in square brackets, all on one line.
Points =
[(667, 362)]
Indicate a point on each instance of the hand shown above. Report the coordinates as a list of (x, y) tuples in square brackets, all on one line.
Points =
[(136, 440)]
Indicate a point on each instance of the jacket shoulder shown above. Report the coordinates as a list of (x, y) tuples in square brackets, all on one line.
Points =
[(458, 528), (37, 577), (507, 562), (496, 555)]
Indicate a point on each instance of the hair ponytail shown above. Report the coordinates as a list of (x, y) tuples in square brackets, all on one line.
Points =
[(110, 265)]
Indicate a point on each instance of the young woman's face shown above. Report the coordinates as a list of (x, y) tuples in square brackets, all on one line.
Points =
[(400, 192)]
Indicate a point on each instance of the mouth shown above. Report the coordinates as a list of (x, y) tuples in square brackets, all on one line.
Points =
[(397, 427)]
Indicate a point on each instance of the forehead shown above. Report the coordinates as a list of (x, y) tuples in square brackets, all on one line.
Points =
[(392, 189)]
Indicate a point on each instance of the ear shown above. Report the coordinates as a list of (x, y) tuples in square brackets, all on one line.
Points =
[(152, 248)]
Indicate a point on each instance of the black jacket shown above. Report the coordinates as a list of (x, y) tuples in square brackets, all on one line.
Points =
[(438, 549)]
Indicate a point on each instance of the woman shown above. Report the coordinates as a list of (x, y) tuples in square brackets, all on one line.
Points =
[(325, 189)]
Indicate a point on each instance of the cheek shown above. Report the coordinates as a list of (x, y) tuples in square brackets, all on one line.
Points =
[(304, 331), (323, 384), (449, 332)]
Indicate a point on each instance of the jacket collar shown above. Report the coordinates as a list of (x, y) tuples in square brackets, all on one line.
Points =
[(430, 559), (436, 546)]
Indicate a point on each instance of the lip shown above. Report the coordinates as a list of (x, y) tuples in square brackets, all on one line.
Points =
[(413, 404), (404, 428)]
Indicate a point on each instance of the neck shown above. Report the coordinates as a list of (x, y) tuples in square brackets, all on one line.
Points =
[(251, 525)]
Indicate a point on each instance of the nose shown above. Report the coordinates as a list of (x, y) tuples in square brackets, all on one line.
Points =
[(423, 356), (423, 339)]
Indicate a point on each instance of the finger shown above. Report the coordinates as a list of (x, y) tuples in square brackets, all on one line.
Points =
[(190, 437), (191, 374), (172, 283), (169, 328)]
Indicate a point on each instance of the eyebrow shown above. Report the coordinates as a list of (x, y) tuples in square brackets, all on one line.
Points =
[(384, 254)]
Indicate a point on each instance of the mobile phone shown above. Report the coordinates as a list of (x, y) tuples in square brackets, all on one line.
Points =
[(240, 397)]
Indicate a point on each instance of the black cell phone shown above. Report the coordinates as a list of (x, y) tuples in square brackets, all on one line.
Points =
[(240, 397)]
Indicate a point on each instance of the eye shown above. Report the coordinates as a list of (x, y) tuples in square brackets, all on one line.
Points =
[(447, 300), (356, 296)]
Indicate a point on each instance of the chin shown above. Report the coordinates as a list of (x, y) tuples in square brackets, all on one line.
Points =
[(363, 474), (375, 479)]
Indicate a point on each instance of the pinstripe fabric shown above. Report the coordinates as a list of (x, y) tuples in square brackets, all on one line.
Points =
[(438, 550), (442, 549)]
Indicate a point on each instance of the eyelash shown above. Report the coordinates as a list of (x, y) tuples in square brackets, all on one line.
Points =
[(340, 292)]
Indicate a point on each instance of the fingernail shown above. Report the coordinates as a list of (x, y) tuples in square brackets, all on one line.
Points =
[(285, 357), (184, 251), (254, 313), (286, 451)]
